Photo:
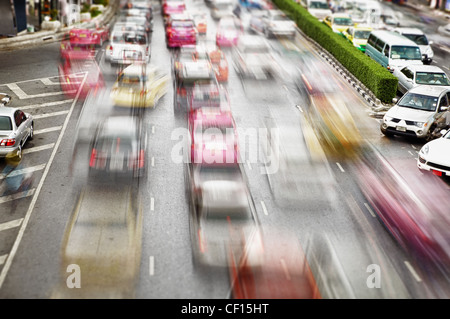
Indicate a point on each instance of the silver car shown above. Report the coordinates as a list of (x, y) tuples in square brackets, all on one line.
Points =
[(127, 47), (414, 75), (16, 127), (272, 23)]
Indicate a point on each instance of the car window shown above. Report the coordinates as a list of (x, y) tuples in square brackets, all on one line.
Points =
[(419, 39), (343, 21), (18, 118), (372, 40), (444, 101), (386, 50), (407, 72), (429, 78), (362, 34), (406, 52), (419, 102), (5, 123), (379, 45)]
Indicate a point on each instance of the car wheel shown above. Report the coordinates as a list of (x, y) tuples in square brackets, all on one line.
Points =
[(429, 135)]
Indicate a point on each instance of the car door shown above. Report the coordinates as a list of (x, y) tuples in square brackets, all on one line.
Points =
[(405, 79), (22, 131)]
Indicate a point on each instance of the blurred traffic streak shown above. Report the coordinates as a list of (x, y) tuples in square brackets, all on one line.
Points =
[(101, 247), (140, 85), (412, 206), (328, 109), (296, 167), (271, 264)]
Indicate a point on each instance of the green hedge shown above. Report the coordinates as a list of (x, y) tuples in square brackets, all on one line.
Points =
[(375, 77)]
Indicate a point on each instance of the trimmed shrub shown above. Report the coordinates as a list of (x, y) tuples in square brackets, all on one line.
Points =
[(375, 77)]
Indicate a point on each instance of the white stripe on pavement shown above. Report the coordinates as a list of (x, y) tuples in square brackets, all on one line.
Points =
[(34, 106), (152, 266), (413, 272), (47, 130), (38, 148), (42, 116), (20, 195), (22, 95), (11, 224), (264, 208), (3, 258), (340, 167), (25, 171)]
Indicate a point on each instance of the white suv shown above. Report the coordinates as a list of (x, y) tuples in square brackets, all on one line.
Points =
[(419, 38), (127, 47), (415, 113)]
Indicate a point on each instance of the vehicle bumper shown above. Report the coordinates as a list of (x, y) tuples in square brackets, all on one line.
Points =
[(436, 169), (408, 130), (178, 43)]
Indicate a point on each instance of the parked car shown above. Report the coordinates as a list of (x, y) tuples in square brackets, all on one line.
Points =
[(272, 23), (416, 111), (434, 156), (418, 37), (338, 22), (16, 128), (414, 75)]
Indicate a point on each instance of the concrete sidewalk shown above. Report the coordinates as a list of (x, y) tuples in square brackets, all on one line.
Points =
[(40, 37)]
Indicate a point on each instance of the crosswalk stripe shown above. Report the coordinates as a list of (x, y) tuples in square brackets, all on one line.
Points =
[(3, 258), (34, 106), (25, 171), (11, 224), (47, 130), (9, 198), (38, 148), (22, 95), (41, 116)]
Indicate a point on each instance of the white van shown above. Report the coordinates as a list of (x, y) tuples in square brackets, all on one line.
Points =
[(392, 50), (418, 37), (317, 8)]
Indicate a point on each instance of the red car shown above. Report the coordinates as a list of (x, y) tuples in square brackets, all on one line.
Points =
[(72, 70), (414, 207), (88, 36), (172, 7), (272, 265), (181, 30), (66, 49)]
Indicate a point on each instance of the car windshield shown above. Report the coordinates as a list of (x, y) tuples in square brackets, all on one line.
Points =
[(432, 78), (419, 102), (5, 123), (419, 39), (131, 81), (343, 21), (362, 34), (318, 5), (405, 52), (182, 24)]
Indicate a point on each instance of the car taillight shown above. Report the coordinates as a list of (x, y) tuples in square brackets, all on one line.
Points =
[(8, 142), (93, 158), (141, 158)]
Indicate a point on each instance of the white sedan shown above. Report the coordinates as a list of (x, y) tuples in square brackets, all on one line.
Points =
[(435, 156)]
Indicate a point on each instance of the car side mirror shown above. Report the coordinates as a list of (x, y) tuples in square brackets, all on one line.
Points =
[(443, 108), (430, 42), (394, 100), (6, 99)]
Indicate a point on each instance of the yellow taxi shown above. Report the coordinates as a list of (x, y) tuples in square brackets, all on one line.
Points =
[(358, 36), (139, 85), (339, 22)]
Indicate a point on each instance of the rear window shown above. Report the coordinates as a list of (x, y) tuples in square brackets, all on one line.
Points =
[(5, 123), (432, 78), (419, 39), (342, 21)]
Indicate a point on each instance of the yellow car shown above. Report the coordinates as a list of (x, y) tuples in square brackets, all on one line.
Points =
[(139, 85), (358, 36), (339, 22)]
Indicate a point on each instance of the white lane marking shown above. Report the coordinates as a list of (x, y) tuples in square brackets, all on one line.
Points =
[(249, 165), (370, 210), (47, 81), (413, 146), (3, 258), (11, 224), (42, 116), (411, 153), (152, 204), (25, 171), (264, 208), (15, 196), (22, 95), (299, 108), (36, 194), (340, 167), (153, 161), (285, 269), (446, 67), (413, 272), (47, 130), (151, 266), (38, 148), (153, 129), (34, 106)]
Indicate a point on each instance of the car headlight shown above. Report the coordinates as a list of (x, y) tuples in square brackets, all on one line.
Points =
[(419, 124), (425, 149), (387, 118)]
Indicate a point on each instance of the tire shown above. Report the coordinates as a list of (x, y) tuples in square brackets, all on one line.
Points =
[(429, 135)]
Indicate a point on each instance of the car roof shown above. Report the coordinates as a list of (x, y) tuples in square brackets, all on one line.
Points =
[(340, 15), (425, 68), (396, 38), (200, 68), (409, 30), (136, 69), (430, 90), (9, 111)]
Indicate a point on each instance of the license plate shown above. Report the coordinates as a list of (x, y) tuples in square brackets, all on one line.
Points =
[(116, 162), (82, 35), (437, 173), (130, 54), (401, 128)]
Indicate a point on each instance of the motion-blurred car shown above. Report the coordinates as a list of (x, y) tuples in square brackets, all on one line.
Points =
[(191, 74), (271, 265), (117, 151), (67, 48), (139, 20), (16, 128), (128, 26), (358, 36), (104, 238), (217, 58), (140, 85), (221, 8), (201, 21), (414, 75), (172, 7), (180, 30), (338, 22), (434, 156), (418, 37), (128, 47), (228, 32), (252, 58), (416, 111), (256, 4), (444, 30), (272, 23), (89, 36), (413, 207)]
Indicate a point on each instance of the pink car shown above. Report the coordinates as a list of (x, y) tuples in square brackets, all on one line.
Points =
[(181, 30), (89, 36), (228, 31), (172, 7)]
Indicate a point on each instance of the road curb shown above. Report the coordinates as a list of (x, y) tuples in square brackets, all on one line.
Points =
[(41, 37)]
